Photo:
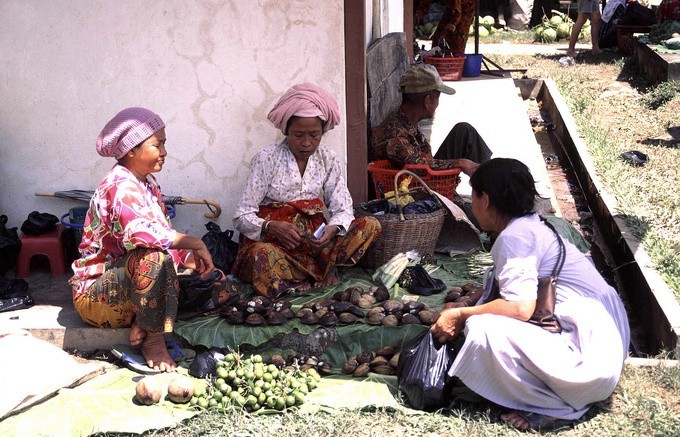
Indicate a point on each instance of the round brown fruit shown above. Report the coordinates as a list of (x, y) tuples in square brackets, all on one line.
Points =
[(181, 389), (148, 391)]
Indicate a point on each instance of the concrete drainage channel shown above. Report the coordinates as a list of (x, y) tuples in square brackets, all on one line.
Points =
[(653, 310)]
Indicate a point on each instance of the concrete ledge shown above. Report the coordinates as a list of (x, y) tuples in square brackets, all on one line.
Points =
[(62, 327), (646, 292), (657, 67)]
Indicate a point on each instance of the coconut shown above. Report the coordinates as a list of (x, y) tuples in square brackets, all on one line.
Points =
[(181, 389), (148, 391)]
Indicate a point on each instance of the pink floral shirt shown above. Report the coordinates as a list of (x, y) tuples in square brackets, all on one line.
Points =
[(125, 213)]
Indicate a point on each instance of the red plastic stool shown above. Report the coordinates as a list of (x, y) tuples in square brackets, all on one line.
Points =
[(49, 244)]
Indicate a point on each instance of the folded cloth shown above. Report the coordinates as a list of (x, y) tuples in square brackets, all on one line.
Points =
[(39, 223)]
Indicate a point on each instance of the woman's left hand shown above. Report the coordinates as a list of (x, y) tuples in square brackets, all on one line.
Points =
[(328, 234), (450, 323)]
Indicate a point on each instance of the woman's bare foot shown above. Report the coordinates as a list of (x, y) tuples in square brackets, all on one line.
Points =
[(525, 420), (596, 52), (305, 286), (516, 420), (329, 280), (137, 335), (571, 53), (156, 354)]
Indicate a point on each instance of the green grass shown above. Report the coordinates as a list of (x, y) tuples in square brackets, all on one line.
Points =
[(645, 403), (616, 111)]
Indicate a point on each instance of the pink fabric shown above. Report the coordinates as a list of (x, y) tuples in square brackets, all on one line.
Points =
[(129, 128), (305, 100)]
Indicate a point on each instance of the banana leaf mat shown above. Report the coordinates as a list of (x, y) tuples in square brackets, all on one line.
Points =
[(105, 405), (340, 341)]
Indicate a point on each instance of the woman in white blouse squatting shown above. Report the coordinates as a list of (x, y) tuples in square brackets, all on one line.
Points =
[(539, 376), (286, 241)]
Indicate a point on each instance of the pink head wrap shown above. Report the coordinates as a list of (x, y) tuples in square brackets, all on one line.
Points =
[(129, 128), (305, 100)]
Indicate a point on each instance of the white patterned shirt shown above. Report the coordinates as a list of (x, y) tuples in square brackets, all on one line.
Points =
[(275, 177)]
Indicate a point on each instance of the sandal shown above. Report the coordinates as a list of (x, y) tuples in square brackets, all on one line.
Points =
[(133, 359), (634, 157), (541, 422), (417, 281)]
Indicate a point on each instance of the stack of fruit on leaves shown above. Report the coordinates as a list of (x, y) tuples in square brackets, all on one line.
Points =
[(257, 311), (383, 361), (393, 313), (301, 361), (346, 307), (149, 390), (251, 384)]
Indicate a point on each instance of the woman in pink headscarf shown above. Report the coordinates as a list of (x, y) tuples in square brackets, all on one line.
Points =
[(287, 242), (127, 274)]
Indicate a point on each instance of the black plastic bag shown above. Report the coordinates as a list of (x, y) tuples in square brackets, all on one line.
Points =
[(422, 373), (205, 363), (14, 295), (196, 294), (221, 247), (10, 245)]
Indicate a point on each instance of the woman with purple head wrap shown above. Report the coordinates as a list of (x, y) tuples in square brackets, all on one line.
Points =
[(127, 275), (287, 242)]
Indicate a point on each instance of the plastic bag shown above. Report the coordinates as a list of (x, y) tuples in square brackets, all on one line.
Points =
[(14, 295), (10, 245), (197, 295), (422, 373), (221, 247), (205, 363)]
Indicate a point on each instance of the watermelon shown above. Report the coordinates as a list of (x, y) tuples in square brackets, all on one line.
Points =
[(563, 30), (549, 35), (556, 20)]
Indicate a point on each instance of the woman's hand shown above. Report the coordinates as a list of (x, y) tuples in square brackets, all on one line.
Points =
[(200, 259), (466, 166), (450, 323), (328, 234), (288, 235)]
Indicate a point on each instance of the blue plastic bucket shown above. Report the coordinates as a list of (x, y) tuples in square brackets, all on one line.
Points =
[(472, 66)]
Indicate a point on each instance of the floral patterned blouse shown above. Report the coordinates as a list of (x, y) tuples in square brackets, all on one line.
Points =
[(398, 140), (124, 213), (275, 177)]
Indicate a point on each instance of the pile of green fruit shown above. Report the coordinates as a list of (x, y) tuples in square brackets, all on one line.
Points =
[(486, 26), (253, 385), (558, 27)]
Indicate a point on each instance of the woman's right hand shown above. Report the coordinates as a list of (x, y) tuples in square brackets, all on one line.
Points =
[(449, 324), (287, 234)]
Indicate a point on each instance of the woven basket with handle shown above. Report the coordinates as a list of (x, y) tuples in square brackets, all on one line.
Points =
[(403, 232)]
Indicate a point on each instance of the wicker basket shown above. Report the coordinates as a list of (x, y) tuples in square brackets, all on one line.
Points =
[(448, 68), (624, 36), (401, 233), (443, 182)]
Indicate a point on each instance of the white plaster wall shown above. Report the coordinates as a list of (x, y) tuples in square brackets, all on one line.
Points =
[(211, 69)]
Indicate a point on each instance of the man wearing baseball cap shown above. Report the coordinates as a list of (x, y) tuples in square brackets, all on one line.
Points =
[(398, 138)]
